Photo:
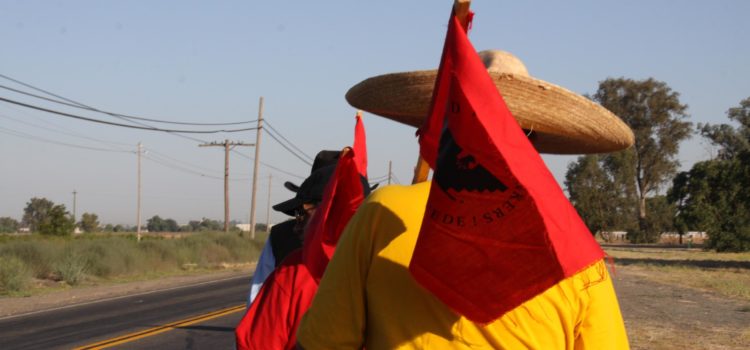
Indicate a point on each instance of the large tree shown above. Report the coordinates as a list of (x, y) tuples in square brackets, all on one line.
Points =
[(36, 212), (657, 118), (58, 222), (595, 195), (89, 222), (714, 195)]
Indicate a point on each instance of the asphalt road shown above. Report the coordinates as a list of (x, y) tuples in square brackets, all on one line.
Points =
[(98, 322)]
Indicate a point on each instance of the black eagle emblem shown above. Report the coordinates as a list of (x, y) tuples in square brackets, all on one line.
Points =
[(459, 171)]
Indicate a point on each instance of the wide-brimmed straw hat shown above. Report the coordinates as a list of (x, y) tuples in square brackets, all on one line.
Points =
[(558, 121)]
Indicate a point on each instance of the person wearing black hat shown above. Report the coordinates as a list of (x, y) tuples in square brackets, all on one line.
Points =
[(286, 237)]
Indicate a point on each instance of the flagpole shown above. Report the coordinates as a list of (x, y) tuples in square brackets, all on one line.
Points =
[(422, 169)]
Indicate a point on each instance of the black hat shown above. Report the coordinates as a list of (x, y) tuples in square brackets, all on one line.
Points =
[(311, 190), (323, 158)]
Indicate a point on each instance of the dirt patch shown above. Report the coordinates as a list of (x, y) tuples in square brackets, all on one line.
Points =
[(20, 305), (662, 316)]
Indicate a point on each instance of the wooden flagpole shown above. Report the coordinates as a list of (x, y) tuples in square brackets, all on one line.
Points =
[(422, 169)]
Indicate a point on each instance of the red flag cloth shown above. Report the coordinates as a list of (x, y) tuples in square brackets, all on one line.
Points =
[(341, 198), (271, 321), (498, 229), (360, 146)]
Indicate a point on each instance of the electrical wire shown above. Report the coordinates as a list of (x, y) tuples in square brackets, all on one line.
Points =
[(41, 139), (269, 165), (74, 104), (288, 149), (148, 127), (287, 140), (395, 179), (118, 124), (183, 169), (116, 145)]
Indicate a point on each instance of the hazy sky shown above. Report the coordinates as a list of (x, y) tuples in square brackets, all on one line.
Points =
[(210, 62)]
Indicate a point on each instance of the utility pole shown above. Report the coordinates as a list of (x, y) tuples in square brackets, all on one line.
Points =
[(226, 144), (255, 167), (138, 211), (268, 208), (389, 172), (74, 206)]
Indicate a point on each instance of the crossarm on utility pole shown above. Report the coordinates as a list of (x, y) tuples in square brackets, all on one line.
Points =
[(226, 144)]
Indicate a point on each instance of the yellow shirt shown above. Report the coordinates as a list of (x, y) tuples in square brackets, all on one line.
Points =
[(368, 298)]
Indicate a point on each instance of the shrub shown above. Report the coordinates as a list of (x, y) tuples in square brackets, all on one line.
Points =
[(14, 275), (72, 268)]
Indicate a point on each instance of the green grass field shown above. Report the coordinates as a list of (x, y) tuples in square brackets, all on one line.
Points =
[(31, 264)]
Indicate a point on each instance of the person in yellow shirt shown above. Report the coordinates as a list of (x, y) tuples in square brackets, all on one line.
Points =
[(367, 297)]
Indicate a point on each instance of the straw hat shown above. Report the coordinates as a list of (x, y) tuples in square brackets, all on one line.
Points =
[(558, 121)]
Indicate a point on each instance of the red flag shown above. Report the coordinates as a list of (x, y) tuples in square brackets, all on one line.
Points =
[(271, 321), (360, 146), (498, 229), (341, 198)]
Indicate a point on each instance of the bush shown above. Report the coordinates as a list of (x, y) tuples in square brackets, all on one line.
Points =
[(14, 275), (37, 255), (72, 268), (109, 256)]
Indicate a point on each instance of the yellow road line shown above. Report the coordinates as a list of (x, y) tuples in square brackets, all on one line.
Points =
[(161, 329)]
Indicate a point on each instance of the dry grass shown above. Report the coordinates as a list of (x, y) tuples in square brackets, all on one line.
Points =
[(102, 258), (660, 336), (725, 273)]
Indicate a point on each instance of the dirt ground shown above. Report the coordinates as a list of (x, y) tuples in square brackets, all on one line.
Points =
[(657, 316), (660, 316)]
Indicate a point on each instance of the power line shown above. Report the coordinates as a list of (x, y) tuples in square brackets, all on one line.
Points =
[(75, 104), (118, 124), (27, 136), (289, 142), (159, 154), (148, 127), (288, 149), (395, 179), (108, 143), (186, 170), (269, 165)]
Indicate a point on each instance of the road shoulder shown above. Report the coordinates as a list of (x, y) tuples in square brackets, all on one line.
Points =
[(13, 306)]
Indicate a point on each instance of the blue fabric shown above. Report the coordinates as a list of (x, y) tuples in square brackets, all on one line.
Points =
[(266, 264)]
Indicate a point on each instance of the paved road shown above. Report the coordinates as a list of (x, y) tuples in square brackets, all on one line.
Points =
[(99, 321)]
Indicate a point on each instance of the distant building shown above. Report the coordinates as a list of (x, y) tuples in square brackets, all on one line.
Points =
[(613, 236), (246, 227)]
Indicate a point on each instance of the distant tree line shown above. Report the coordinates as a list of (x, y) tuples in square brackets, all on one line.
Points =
[(47, 218), (157, 224), (624, 191)]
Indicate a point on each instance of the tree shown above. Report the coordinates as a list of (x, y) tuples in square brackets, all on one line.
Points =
[(155, 224), (655, 114), (732, 141), (89, 222), (171, 226), (8, 225), (57, 222), (713, 195), (594, 195), (36, 212)]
